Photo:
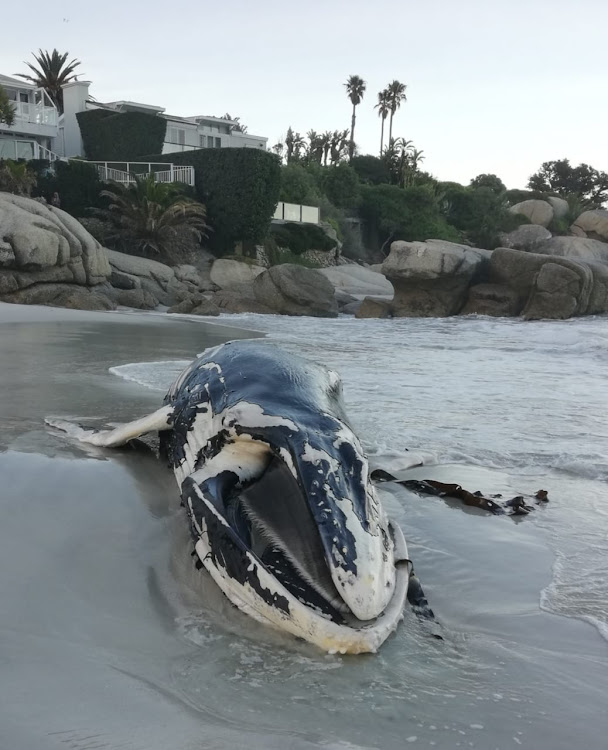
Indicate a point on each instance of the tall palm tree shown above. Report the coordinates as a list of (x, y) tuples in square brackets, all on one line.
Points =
[(355, 88), (52, 73), (150, 215), (396, 95), (383, 108), (326, 139)]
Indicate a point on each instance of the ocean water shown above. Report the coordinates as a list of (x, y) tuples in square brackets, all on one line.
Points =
[(529, 399)]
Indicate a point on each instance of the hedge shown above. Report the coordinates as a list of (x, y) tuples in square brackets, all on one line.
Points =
[(301, 237), (240, 188), (120, 136), (76, 181)]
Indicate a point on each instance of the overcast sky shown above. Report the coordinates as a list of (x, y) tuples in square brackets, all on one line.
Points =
[(492, 86)]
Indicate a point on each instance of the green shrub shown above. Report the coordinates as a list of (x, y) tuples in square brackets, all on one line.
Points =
[(298, 185), (301, 237), (491, 181), (120, 136), (240, 188), (394, 213), (77, 183), (16, 177), (480, 214), (341, 186), (371, 170), (277, 256)]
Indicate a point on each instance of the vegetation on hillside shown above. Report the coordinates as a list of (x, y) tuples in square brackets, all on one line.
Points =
[(560, 178), (147, 216), (7, 111)]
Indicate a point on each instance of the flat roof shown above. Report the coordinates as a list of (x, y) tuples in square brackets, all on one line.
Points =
[(17, 82), (139, 105)]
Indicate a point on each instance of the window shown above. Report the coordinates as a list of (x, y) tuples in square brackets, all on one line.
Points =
[(202, 141), (25, 150), (209, 141), (23, 98), (177, 135), (218, 142)]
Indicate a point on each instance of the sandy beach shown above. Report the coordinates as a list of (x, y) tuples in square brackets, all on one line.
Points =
[(109, 638)]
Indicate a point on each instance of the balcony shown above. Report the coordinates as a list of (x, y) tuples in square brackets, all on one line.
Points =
[(125, 172), (34, 114)]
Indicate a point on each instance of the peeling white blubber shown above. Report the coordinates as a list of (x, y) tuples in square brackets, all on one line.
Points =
[(278, 494)]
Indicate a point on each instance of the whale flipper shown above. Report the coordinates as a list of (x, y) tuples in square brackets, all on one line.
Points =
[(159, 420)]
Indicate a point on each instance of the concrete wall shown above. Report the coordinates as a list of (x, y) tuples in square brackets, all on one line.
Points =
[(75, 95)]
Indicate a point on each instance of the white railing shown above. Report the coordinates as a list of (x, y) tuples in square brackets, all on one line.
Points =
[(46, 153), (297, 212), (36, 114), (126, 176)]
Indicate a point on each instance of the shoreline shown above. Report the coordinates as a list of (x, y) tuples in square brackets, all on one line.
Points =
[(99, 611)]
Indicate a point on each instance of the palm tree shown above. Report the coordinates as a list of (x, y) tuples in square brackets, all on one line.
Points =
[(355, 88), (326, 143), (383, 108), (415, 158), (315, 146), (237, 126), (396, 95), (151, 215), (51, 74)]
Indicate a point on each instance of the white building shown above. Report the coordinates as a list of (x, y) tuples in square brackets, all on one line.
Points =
[(40, 132), (182, 133), (36, 126)]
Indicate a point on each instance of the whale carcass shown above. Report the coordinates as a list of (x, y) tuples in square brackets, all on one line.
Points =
[(277, 491)]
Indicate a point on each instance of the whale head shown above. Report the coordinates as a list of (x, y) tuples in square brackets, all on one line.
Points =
[(278, 493)]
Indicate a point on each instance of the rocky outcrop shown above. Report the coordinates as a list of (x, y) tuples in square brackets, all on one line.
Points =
[(374, 308), (41, 245), (538, 211), (559, 205), (431, 278), (358, 282), (196, 305), (540, 286), (577, 248), (594, 224), (61, 295), (166, 285), (492, 299), (294, 290), (232, 274), (525, 237), (241, 300)]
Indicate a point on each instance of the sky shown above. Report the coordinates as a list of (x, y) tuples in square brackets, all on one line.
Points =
[(492, 87)]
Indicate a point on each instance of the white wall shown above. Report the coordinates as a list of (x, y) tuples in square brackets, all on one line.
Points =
[(75, 95)]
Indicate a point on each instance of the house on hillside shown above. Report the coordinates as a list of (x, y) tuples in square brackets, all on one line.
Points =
[(36, 126), (181, 134)]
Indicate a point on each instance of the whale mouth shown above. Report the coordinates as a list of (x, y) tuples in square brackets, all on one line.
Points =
[(263, 546), (283, 536)]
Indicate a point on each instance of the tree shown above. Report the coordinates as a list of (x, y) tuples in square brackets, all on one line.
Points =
[(584, 182), (396, 95), (298, 185), (7, 111), (491, 181), (150, 215), (341, 186), (355, 88), (371, 170), (383, 108), (393, 213), (52, 73), (236, 123)]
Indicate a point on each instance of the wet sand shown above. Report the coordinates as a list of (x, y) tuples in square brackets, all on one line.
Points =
[(109, 637)]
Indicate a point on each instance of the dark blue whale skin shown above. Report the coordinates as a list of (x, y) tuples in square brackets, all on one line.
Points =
[(294, 389)]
